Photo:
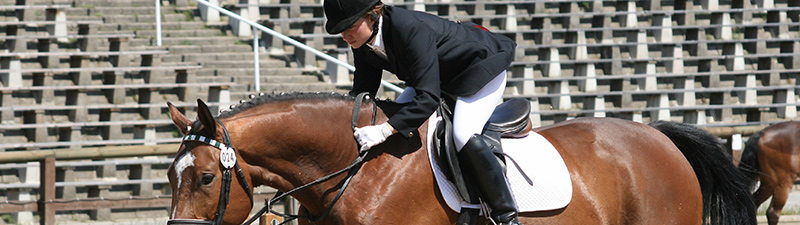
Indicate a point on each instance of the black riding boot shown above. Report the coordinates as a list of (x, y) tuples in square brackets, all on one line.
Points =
[(489, 176)]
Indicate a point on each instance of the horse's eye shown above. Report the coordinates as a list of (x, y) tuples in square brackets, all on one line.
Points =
[(207, 179)]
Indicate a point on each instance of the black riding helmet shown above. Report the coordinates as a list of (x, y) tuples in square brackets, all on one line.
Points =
[(342, 14)]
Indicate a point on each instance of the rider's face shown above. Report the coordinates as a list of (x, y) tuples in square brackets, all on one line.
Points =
[(358, 34)]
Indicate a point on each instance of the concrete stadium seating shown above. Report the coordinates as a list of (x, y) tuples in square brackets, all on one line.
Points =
[(81, 73), (620, 55)]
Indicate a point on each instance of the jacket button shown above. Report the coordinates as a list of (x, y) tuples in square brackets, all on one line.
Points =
[(410, 134)]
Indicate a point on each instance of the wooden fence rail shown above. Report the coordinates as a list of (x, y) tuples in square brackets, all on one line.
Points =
[(88, 153), (47, 205)]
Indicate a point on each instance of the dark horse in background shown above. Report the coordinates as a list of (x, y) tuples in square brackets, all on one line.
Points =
[(622, 172), (772, 156)]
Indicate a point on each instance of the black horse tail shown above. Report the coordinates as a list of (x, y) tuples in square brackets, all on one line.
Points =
[(749, 162), (726, 197)]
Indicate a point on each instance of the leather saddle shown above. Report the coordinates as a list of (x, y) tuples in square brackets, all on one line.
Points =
[(511, 119)]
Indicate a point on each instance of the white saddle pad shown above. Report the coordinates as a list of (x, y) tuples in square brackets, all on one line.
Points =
[(552, 186)]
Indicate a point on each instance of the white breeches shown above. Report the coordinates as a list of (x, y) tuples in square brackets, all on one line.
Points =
[(471, 112)]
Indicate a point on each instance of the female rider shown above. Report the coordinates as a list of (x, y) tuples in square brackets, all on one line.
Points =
[(433, 56)]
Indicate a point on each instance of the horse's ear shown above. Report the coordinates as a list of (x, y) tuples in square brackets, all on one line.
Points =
[(205, 117), (179, 119)]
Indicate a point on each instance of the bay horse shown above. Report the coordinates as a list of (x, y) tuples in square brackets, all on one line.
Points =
[(772, 156), (623, 172)]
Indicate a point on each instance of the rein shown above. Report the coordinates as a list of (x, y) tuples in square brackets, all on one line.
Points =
[(351, 169)]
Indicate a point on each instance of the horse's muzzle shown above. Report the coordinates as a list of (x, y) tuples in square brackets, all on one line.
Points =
[(189, 222)]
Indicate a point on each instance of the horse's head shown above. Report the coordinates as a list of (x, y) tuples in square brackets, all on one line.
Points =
[(207, 175)]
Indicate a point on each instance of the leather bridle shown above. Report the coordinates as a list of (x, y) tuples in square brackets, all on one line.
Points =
[(229, 163)]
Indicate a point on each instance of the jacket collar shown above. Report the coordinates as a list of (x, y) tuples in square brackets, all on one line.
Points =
[(388, 38)]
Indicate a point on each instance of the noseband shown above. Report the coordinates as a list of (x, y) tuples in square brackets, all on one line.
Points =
[(227, 157)]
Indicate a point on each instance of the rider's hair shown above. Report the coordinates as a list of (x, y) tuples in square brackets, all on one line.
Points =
[(377, 9)]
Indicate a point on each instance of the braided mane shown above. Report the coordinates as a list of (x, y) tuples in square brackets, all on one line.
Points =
[(262, 98)]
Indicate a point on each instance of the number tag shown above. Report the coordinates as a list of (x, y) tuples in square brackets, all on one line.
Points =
[(227, 157)]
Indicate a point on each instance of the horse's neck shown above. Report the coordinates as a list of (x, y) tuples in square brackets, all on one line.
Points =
[(325, 147), (294, 147)]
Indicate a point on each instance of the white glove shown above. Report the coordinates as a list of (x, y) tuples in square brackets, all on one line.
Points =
[(372, 135)]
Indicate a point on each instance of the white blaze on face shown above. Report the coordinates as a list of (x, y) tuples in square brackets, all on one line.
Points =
[(184, 162)]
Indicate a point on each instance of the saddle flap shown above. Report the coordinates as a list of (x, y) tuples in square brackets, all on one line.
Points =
[(552, 186), (448, 159)]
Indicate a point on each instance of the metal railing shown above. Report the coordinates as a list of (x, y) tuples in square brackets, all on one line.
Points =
[(256, 27)]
